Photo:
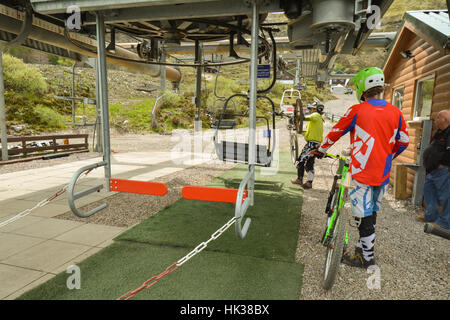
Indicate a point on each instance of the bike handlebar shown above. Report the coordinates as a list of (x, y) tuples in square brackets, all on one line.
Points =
[(318, 154), (327, 155), (281, 114)]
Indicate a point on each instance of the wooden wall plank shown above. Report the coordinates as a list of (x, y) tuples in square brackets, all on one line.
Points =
[(428, 60), (400, 176)]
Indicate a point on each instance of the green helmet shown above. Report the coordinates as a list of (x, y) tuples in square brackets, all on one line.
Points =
[(366, 79)]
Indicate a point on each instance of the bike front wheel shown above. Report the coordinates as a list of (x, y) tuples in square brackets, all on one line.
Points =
[(334, 252), (294, 146)]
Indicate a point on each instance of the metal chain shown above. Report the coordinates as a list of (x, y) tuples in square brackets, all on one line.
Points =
[(39, 205), (150, 282), (153, 280), (203, 245)]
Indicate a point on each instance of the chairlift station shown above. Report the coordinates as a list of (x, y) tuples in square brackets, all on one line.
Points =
[(317, 32)]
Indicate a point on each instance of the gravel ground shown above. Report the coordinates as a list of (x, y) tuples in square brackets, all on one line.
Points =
[(412, 264)]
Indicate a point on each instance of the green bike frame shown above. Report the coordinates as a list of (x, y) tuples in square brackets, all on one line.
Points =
[(340, 202)]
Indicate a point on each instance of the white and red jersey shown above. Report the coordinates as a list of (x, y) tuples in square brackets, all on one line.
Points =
[(378, 134)]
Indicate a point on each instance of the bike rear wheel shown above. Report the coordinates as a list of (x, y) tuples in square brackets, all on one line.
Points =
[(298, 116), (334, 252)]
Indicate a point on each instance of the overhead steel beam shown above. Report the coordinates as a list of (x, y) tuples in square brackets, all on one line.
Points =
[(378, 40), (60, 6), (341, 76), (182, 11), (41, 46)]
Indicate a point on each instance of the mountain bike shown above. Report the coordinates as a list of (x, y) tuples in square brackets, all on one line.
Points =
[(335, 237)]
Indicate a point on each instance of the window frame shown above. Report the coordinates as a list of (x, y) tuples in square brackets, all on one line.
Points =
[(416, 96), (402, 86)]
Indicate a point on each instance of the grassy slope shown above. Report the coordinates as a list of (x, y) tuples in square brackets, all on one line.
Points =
[(130, 109), (390, 23)]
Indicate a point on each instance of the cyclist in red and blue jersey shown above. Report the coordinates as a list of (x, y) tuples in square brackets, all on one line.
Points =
[(378, 134)]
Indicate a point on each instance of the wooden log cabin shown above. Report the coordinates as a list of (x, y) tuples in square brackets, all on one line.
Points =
[(417, 70)]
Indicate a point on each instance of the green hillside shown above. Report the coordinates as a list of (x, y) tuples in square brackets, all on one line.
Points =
[(393, 17), (391, 22), (31, 105)]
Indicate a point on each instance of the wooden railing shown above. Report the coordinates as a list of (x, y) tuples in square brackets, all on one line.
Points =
[(26, 150)]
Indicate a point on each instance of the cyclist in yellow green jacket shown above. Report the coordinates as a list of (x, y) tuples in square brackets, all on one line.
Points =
[(313, 136)]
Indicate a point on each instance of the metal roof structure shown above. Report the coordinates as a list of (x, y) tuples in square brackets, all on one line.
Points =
[(59, 6), (318, 30), (434, 23)]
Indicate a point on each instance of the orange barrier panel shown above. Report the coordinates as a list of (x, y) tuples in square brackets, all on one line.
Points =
[(210, 194), (134, 186)]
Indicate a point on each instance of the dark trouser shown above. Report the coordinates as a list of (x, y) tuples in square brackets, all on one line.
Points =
[(436, 190), (308, 165), (306, 161), (367, 236)]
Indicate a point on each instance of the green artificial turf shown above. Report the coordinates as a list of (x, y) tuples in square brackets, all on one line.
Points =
[(260, 266), (124, 266), (275, 216)]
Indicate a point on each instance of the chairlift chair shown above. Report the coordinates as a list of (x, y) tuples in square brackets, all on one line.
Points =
[(295, 121), (238, 152), (224, 123)]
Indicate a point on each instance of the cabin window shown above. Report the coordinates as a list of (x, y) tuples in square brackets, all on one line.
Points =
[(424, 97), (397, 97)]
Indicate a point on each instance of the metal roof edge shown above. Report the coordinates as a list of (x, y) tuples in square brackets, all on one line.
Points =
[(392, 46), (440, 38), (439, 35)]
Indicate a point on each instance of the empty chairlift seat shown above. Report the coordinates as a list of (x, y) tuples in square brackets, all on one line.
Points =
[(224, 124), (238, 152)]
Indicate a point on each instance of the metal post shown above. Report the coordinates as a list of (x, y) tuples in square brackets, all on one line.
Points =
[(98, 126), (419, 177), (163, 68), (253, 93), (73, 93), (2, 111), (198, 88), (103, 90), (297, 72)]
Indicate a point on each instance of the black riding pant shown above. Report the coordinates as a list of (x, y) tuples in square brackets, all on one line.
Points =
[(367, 236), (306, 161)]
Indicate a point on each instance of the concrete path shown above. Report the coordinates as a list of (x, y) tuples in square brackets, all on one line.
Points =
[(36, 247)]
